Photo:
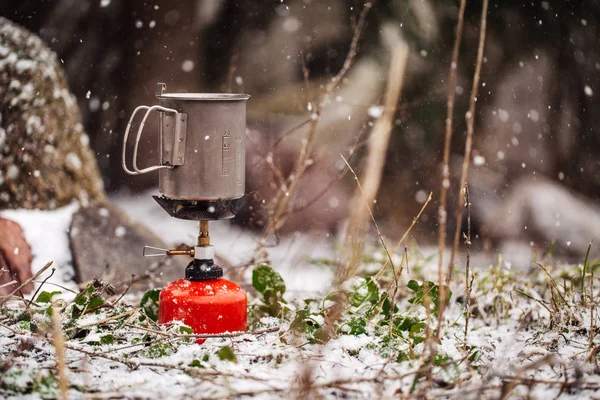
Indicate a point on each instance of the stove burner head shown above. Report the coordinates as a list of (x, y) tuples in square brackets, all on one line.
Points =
[(201, 210)]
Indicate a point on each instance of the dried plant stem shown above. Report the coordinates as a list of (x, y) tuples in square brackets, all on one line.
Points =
[(470, 117), (34, 277), (468, 278), (592, 304), (378, 145), (445, 184), (8, 283), (59, 345)]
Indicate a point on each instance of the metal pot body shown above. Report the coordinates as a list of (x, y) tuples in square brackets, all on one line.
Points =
[(214, 164), (202, 145)]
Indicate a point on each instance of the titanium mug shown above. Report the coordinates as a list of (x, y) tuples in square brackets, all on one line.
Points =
[(201, 145)]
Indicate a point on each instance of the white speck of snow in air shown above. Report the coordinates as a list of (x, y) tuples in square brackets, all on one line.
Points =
[(291, 24), (12, 173), (139, 24), (152, 24), (503, 115), (375, 111), (588, 91), (478, 160), (206, 137), (120, 231), (239, 81), (533, 115), (421, 196), (187, 66), (104, 3)]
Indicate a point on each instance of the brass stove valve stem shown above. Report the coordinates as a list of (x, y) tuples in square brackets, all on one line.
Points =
[(189, 252), (204, 238), (204, 251)]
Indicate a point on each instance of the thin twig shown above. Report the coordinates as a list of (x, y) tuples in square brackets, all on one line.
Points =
[(468, 278), (28, 281), (470, 118), (445, 185), (39, 288)]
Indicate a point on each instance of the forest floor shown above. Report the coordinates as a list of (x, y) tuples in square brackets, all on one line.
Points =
[(529, 334)]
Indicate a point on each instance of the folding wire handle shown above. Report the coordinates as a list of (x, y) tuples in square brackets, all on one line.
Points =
[(136, 170)]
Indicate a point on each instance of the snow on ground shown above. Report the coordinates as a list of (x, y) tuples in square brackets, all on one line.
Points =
[(531, 335)]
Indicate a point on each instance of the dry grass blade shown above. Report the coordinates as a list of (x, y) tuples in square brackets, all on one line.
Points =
[(59, 345), (374, 162)]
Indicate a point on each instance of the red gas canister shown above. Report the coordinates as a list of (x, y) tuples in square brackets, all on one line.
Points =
[(204, 301)]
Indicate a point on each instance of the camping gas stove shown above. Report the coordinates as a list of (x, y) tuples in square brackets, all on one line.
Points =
[(201, 173)]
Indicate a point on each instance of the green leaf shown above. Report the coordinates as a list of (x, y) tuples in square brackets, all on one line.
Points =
[(226, 353), (107, 339), (149, 303), (266, 278), (424, 290), (356, 326), (81, 300), (46, 297), (413, 285), (386, 307), (24, 325), (196, 363), (96, 301), (159, 350), (363, 290)]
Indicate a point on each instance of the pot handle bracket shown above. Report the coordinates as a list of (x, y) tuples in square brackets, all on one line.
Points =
[(172, 137)]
